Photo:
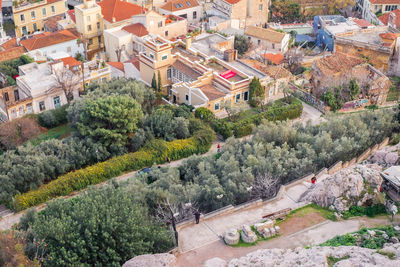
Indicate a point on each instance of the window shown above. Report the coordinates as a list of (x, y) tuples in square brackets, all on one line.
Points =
[(42, 106), (188, 3), (166, 33), (16, 95), (194, 15), (258, 42), (34, 27), (29, 108), (164, 57), (187, 97), (168, 73), (90, 42), (6, 97), (123, 48), (69, 49), (183, 16), (260, 7), (22, 17), (160, 24), (21, 110), (33, 15), (89, 27), (44, 11), (151, 56), (88, 18), (273, 46), (99, 39), (216, 106), (237, 98), (56, 102), (98, 25), (53, 9), (246, 96)]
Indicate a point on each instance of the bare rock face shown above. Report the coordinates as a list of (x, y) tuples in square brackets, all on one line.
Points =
[(154, 260), (231, 237), (352, 186), (386, 157), (319, 256), (248, 236), (215, 262)]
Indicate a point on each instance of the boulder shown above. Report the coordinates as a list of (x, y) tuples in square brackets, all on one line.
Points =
[(371, 232), (231, 237), (277, 229), (154, 260), (385, 236), (397, 228), (248, 236), (215, 262), (394, 240), (272, 230), (261, 226), (266, 233)]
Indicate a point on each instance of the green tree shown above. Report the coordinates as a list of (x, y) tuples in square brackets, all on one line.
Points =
[(154, 82), (256, 93), (104, 227), (354, 88), (241, 44), (159, 83), (109, 120)]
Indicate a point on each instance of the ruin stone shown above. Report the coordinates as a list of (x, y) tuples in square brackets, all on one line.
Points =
[(231, 237), (261, 226), (266, 233), (248, 236), (215, 262), (154, 260), (272, 230), (394, 240), (277, 229)]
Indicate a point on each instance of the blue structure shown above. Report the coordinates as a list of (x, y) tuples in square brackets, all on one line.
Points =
[(301, 38), (323, 38)]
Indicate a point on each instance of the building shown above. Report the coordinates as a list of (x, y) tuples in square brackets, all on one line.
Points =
[(299, 28), (11, 106), (391, 182), (118, 12), (191, 10), (242, 13), (338, 69), (11, 50), (129, 69), (268, 39), (374, 44), (43, 45), (29, 16), (369, 9), (391, 19)]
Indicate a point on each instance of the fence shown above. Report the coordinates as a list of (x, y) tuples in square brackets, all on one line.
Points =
[(283, 188)]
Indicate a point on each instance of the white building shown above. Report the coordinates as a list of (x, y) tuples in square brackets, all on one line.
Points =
[(188, 9), (268, 39), (43, 45), (369, 9)]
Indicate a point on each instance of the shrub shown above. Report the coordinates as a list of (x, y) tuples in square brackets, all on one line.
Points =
[(204, 114), (155, 151), (242, 128), (223, 128), (53, 118)]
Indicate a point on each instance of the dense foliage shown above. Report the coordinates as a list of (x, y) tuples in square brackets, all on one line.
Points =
[(256, 93), (104, 227), (241, 44), (54, 117), (10, 68)]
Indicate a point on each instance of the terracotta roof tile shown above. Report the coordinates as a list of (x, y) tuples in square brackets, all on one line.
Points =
[(174, 5), (265, 34), (274, 58), (118, 9), (48, 39), (362, 23), (385, 18), (70, 61), (336, 63), (136, 29), (117, 65), (232, 2), (12, 53), (135, 62), (211, 92), (383, 2), (71, 14), (10, 43), (51, 23)]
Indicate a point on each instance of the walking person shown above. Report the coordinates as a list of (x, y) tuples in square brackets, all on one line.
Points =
[(168, 160), (218, 148), (197, 216)]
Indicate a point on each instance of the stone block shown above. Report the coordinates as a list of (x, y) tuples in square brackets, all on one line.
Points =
[(277, 229), (248, 236), (272, 230), (261, 226), (266, 233), (231, 237)]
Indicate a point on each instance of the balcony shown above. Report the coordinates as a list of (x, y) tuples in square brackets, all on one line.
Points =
[(27, 5)]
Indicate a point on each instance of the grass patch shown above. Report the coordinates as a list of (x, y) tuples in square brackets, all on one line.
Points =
[(332, 260), (390, 255), (58, 132), (310, 208), (260, 238), (394, 92)]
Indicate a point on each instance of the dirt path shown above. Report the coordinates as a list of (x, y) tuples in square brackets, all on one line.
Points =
[(312, 235)]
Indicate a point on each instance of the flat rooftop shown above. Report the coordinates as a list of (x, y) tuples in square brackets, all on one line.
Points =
[(184, 53), (218, 68), (370, 38), (187, 70)]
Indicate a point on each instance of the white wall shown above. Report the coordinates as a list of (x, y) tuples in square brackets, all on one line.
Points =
[(187, 11), (70, 47)]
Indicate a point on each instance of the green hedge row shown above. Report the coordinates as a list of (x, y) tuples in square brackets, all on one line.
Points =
[(199, 143), (277, 112)]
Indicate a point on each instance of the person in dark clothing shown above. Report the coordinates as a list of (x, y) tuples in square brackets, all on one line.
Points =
[(197, 216), (169, 161)]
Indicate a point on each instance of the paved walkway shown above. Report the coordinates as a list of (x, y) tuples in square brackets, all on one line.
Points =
[(209, 230), (313, 235)]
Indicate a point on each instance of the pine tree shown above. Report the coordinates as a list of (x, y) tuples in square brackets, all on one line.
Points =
[(154, 82), (159, 85), (256, 93)]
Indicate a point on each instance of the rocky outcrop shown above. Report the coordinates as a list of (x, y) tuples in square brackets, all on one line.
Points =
[(355, 185), (386, 157), (320, 256), (154, 260)]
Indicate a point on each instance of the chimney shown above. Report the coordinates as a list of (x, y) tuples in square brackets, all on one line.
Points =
[(188, 42), (113, 19)]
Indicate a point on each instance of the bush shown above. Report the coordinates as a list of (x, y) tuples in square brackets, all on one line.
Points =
[(157, 151), (242, 128), (223, 128), (53, 118), (204, 114)]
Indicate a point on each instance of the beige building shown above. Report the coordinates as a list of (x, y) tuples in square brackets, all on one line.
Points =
[(188, 9), (243, 13), (29, 16), (268, 39)]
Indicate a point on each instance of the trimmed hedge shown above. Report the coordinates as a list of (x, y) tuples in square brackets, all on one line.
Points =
[(100, 172)]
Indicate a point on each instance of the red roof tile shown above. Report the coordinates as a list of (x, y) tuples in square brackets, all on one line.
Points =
[(10, 43), (48, 39), (274, 58), (135, 62), (118, 9), (384, 2), (232, 2), (362, 23), (136, 29), (71, 14), (51, 23), (12, 53), (117, 65), (385, 18), (174, 5), (70, 61)]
